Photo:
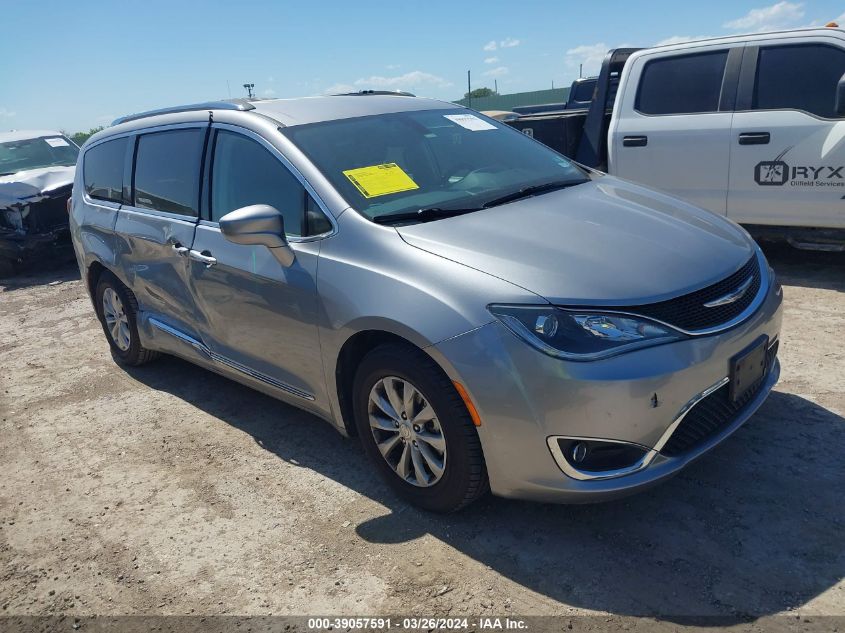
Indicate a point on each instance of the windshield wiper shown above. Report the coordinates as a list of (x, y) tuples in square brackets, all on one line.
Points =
[(533, 190), (422, 215)]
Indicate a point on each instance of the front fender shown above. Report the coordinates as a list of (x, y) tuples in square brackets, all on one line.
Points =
[(369, 279)]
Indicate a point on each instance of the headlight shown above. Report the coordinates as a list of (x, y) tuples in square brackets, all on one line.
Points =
[(582, 336)]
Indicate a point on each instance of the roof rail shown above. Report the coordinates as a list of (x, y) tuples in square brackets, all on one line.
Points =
[(363, 93), (230, 104)]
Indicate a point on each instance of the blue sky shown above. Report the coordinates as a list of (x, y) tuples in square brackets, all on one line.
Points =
[(75, 65)]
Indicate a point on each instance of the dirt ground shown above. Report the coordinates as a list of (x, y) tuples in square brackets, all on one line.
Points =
[(170, 490)]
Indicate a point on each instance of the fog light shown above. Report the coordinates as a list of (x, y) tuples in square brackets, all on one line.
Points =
[(596, 456), (579, 452)]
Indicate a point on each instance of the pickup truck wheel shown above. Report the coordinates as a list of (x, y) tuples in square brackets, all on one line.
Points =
[(416, 430), (117, 310)]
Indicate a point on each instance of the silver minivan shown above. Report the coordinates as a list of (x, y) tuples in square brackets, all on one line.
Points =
[(480, 311)]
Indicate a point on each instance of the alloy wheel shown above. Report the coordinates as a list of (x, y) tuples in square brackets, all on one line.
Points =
[(407, 431), (117, 323)]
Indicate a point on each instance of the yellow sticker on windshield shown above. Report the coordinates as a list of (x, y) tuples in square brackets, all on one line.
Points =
[(380, 180)]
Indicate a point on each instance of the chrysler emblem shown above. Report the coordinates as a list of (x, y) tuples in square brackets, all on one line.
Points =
[(731, 297)]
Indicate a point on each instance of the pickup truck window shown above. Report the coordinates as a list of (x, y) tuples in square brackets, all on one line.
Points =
[(583, 91), (683, 84), (799, 77)]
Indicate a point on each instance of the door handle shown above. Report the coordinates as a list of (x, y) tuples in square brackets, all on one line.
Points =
[(634, 141), (179, 249), (204, 258), (754, 138)]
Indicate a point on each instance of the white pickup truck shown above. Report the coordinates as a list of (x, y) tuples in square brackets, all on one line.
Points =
[(751, 127)]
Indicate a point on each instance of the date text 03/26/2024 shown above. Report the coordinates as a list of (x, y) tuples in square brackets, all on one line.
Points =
[(428, 624)]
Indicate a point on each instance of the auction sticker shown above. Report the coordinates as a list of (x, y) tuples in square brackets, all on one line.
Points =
[(380, 180), (470, 122)]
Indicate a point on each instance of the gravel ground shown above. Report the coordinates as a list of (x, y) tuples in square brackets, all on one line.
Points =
[(170, 490)]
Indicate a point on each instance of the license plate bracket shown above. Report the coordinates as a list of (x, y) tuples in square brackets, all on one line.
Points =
[(747, 368)]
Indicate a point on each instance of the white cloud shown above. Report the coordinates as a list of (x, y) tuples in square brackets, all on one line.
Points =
[(590, 55), (6, 114), (268, 92), (777, 16), (497, 72), (392, 66), (840, 20), (413, 78), (491, 60), (508, 42)]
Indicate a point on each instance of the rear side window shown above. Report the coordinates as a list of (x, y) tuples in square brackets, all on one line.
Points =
[(688, 84), (167, 171), (245, 173), (799, 77), (103, 170)]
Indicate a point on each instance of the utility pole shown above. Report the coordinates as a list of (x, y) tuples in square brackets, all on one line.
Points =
[(249, 88), (580, 71), (469, 90), (496, 86)]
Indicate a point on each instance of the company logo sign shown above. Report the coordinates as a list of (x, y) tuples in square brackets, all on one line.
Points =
[(777, 173)]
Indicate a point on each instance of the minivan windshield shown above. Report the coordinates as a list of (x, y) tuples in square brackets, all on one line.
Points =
[(36, 153), (433, 163)]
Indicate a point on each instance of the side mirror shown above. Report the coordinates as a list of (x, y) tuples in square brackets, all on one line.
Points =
[(840, 97), (258, 224)]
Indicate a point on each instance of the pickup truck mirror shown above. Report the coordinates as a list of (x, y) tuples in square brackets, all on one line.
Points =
[(258, 225), (840, 97)]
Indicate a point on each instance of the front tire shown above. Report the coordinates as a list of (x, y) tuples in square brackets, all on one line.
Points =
[(117, 310), (417, 430)]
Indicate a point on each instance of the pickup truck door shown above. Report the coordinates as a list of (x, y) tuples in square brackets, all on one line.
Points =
[(256, 317), (672, 123), (787, 143)]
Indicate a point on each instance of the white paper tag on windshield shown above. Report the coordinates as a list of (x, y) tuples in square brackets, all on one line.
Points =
[(56, 142), (470, 122)]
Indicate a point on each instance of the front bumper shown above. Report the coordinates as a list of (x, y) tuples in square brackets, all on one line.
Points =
[(527, 399), (19, 248)]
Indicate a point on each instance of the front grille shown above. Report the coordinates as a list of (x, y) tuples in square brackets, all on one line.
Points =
[(713, 414), (688, 312)]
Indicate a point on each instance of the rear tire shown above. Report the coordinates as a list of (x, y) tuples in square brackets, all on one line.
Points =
[(117, 310), (439, 482)]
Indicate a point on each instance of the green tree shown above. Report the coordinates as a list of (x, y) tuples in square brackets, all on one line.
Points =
[(80, 137), (478, 93)]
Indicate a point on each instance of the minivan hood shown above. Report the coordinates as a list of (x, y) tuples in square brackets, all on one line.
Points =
[(606, 242)]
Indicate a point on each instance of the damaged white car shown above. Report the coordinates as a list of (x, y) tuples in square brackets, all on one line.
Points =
[(36, 176)]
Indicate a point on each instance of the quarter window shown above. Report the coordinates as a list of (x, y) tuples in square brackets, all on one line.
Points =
[(245, 173), (688, 84), (799, 77), (167, 171), (103, 170)]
